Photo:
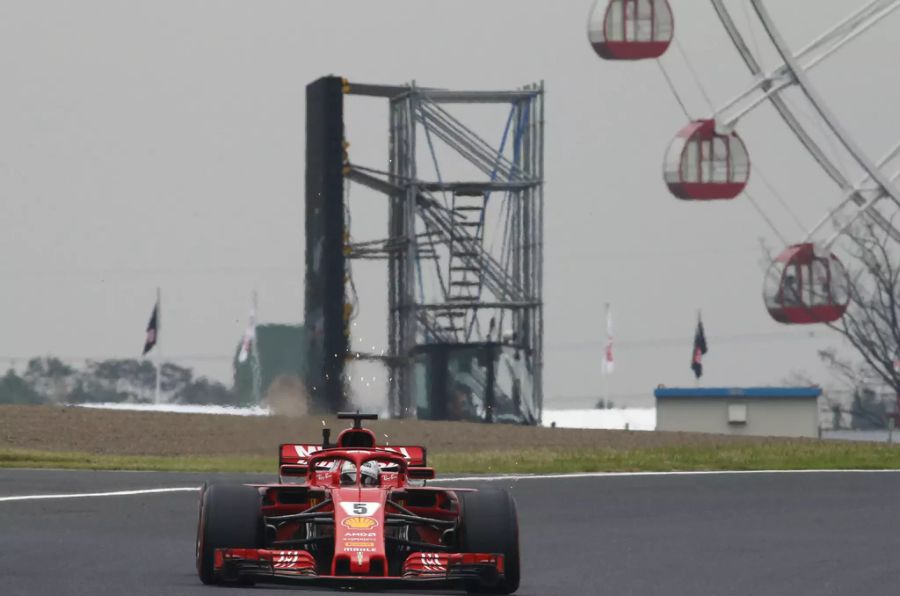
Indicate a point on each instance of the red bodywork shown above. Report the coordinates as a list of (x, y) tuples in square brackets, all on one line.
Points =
[(394, 535)]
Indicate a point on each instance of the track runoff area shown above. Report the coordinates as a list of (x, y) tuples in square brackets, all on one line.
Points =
[(778, 532)]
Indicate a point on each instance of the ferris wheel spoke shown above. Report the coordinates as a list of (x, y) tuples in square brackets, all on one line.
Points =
[(868, 210), (816, 101), (847, 31), (794, 124), (864, 205), (811, 55), (777, 101)]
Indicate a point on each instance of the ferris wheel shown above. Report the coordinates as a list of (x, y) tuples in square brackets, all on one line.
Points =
[(708, 161)]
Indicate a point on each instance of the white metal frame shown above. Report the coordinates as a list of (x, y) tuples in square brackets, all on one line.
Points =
[(876, 185)]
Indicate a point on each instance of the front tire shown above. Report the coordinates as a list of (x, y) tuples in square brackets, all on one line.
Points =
[(490, 525), (230, 517)]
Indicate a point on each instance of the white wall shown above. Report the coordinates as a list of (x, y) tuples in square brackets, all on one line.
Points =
[(779, 417)]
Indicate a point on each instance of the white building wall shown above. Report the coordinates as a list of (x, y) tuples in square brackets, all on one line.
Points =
[(772, 417)]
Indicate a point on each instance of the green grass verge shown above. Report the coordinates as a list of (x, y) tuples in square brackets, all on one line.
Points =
[(751, 456), (775, 455), (23, 458)]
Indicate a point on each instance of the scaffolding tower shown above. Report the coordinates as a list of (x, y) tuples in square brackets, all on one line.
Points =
[(464, 252)]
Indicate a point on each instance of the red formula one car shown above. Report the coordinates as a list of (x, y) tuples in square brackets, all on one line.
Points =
[(358, 515)]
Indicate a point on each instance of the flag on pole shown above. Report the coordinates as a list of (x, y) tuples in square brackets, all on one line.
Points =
[(699, 350), (608, 362), (249, 337), (152, 330)]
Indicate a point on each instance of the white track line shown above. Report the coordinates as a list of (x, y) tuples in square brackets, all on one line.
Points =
[(150, 491), (119, 493), (627, 474)]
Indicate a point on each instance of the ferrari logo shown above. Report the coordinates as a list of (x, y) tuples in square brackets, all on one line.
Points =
[(359, 558)]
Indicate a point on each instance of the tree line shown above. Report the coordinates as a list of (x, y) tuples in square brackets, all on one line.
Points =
[(49, 380)]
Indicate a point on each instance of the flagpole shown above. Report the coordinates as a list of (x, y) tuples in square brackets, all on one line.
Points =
[(158, 344), (604, 388)]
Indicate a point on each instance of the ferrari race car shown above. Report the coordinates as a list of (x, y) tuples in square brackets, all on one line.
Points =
[(355, 514)]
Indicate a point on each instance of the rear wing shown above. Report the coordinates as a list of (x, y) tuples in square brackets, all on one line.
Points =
[(297, 454)]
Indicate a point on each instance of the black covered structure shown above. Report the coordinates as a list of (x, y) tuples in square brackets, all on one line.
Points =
[(324, 304)]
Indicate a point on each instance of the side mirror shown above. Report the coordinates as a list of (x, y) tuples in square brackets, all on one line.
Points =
[(420, 473)]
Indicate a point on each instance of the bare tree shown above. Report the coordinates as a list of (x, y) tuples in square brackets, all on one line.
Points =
[(871, 323)]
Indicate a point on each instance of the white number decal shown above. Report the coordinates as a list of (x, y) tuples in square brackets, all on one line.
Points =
[(363, 509)]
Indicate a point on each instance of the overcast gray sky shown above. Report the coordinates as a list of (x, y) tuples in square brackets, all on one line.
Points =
[(148, 144)]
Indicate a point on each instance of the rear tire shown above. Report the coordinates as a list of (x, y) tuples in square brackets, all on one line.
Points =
[(230, 517), (490, 525)]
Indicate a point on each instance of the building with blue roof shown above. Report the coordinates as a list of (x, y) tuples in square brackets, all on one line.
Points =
[(751, 411)]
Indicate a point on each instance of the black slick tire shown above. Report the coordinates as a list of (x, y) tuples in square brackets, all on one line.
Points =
[(490, 525), (230, 517)]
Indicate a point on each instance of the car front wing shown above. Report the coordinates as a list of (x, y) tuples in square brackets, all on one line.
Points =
[(420, 569)]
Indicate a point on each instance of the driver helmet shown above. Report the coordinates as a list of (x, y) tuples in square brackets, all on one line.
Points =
[(369, 472), (348, 473)]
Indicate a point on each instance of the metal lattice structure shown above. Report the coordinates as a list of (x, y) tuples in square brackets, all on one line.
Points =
[(464, 251)]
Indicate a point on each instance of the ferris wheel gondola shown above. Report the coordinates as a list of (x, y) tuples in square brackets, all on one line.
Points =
[(702, 164), (806, 284), (630, 29)]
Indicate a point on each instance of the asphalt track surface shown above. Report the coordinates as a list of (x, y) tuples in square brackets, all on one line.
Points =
[(728, 534)]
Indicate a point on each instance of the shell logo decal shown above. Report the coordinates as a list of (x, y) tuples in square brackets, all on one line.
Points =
[(359, 523)]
